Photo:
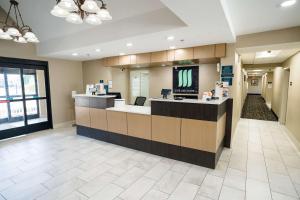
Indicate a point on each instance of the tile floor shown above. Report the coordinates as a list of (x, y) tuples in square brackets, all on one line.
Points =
[(58, 164)]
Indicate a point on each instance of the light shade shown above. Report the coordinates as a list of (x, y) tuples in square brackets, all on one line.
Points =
[(59, 12), (74, 18), (104, 14), (5, 36), (1, 31), (20, 40), (33, 40), (288, 3), (93, 19), (13, 31), (29, 34), (90, 6), (68, 5), (267, 54)]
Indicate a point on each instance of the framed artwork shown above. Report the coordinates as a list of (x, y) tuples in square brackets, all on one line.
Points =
[(186, 80), (254, 82)]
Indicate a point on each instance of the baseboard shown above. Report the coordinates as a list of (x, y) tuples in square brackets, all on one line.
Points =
[(64, 124), (269, 106), (292, 138)]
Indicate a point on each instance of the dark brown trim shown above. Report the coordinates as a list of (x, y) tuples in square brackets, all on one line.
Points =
[(228, 125), (274, 114), (208, 112), (94, 102)]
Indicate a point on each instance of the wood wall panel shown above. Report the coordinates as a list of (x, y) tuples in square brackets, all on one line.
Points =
[(98, 118), (221, 124), (82, 115), (112, 61), (116, 122), (143, 58), (198, 134), (133, 59), (220, 51), (207, 51), (124, 60), (166, 129), (139, 125), (184, 54), (159, 56), (171, 55)]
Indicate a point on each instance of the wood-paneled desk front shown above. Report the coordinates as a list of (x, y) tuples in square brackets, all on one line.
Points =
[(193, 131)]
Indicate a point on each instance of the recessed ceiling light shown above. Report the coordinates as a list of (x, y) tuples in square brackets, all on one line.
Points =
[(97, 50), (172, 47), (288, 3), (267, 54), (170, 38), (129, 44), (122, 54), (74, 54)]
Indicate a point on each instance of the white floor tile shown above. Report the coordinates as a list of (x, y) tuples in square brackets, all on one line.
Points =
[(129, 177), (257, 190), (220, 169), (181, 167), (97, 184), (278, 196), (195, 175), (169, 182), (75, 196), (62, 178), (109, 192), (138, 189), (155, 194), (282, 184), (5, 184), (185, 191), (46, 165), (235, 179), (63, 190), (158, 171), (228, 193), (211, 187)]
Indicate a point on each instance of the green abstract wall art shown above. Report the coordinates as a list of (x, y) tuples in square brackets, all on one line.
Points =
[(185, 80)]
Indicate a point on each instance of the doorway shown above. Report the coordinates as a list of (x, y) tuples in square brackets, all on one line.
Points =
[(139, 85), (25, 104)]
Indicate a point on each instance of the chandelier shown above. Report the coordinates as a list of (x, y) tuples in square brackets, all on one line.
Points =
[(16, 31), (77, 11)]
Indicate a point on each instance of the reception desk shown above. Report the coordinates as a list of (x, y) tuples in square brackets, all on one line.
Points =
[(193, 131)]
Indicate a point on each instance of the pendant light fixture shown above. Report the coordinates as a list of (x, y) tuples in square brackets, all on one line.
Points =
[(17, 31), (79, 11)]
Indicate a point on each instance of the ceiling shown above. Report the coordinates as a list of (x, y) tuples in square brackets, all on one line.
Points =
[(249, 58), (146, 24)]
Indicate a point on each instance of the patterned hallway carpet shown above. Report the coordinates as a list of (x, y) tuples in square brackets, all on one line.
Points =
[(256, 108)]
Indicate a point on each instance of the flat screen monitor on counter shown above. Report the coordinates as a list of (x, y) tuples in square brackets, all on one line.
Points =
[(186, 80)]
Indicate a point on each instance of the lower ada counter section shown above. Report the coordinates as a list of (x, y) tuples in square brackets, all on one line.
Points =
[(193, 156)]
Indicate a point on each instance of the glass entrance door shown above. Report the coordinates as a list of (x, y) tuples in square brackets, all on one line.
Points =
[(24, 99)]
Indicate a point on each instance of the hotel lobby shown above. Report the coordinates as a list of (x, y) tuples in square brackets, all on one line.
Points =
[(149, 100)]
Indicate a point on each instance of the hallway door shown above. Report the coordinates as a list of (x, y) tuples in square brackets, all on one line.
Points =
[(284, 98)]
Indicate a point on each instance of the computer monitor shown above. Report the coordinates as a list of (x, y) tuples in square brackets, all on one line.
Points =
[(165, 93)]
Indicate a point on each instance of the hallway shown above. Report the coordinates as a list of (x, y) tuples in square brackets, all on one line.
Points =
[(255, 108), (58, 164)]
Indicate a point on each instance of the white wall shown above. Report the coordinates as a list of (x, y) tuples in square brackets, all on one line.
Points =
[(280, 92), (64, 75), (293, 108), (255, 89)]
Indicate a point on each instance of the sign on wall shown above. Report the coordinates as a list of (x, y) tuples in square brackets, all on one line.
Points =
[(186, 80), (227, 74)]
